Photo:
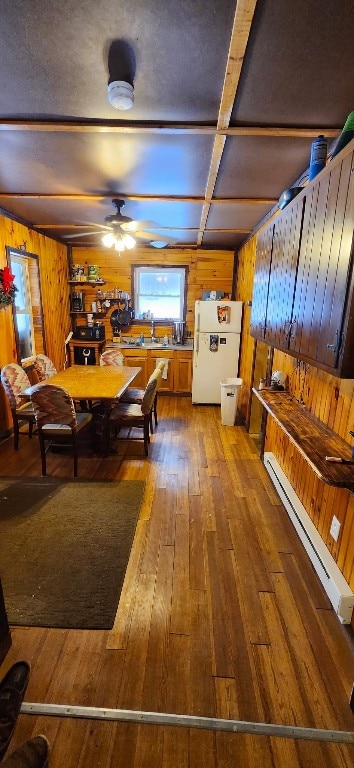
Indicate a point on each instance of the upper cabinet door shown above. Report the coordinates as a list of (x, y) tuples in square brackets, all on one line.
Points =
[(303, 299), (336, 331), (286, 245), (323, 267), (261, 282)]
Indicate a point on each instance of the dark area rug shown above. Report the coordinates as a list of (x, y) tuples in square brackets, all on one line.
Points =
[(64, 549)]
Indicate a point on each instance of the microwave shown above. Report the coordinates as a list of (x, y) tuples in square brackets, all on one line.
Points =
[(90, 333)]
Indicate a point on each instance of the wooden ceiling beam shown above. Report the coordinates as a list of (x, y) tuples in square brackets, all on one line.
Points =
[(142, 198), (239, 38), (55, 126), (152, 229)]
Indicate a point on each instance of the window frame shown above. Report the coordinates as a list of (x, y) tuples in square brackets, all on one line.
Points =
[(160, 267), (26, 255)]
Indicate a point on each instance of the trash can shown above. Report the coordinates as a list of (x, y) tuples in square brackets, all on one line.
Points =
[(230, 389)]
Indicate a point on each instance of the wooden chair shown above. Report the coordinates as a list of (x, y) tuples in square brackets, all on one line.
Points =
[(132, 415), (44, 367), (111, 357), (56, 418), (14, 380), (135, 395)]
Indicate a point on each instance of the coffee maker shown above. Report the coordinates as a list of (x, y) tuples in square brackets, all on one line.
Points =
[(77, 302), (179, 332)]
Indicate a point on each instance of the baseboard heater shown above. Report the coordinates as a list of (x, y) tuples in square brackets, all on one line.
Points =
[(333, 581)]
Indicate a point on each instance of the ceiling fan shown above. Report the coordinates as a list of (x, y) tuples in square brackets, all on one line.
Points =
[(121, 231)]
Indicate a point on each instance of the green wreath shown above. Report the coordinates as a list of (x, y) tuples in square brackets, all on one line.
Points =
[(7, 287)]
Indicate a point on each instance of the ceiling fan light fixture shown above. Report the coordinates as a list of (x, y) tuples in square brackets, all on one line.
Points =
[(108, 240), (120, 94), (128, 241), (119, 244)]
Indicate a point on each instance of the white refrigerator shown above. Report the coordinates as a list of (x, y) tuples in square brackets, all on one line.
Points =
[(217, 333)]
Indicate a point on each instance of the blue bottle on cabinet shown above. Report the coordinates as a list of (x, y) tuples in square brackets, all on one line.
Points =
[(318, 156)]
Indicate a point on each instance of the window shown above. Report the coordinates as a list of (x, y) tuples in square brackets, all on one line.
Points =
[(159, 291), (23, 306), (27, 309)]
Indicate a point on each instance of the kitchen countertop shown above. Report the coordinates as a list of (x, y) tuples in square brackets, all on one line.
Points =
[(188, 346)]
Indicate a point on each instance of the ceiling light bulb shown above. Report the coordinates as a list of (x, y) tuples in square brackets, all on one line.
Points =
[(108, 240), (119, 245), (120, 94), (128, 241)]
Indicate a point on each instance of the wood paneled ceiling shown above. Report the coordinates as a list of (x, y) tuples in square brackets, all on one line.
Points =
[(228, 98)]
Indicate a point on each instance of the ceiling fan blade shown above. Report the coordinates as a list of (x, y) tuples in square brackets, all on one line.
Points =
[(132, 226), (153, 236), (83, 234), (100, 226)]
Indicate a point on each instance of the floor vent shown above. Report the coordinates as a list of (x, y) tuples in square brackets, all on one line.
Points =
[(338, 591)]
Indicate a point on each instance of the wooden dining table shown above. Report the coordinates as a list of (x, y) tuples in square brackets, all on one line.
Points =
[(105, 384)]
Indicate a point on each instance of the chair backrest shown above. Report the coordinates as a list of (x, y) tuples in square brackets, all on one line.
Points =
[(111, 357), (157, 374), (149, 395), (14, 380), (53, 405), (44, 367)]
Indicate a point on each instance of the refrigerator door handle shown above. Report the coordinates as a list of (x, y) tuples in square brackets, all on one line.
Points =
[(196, 350), (198, 321)]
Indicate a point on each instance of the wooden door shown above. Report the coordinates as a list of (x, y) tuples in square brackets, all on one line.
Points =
[(286, 245), (261, 282)]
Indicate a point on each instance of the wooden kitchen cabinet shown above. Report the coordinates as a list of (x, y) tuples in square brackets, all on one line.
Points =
[(138, 358), (179, 371), (183, 372), (324, 271), (282, 278), (167, 385), (261, 281), (277, 256), (303, 289)]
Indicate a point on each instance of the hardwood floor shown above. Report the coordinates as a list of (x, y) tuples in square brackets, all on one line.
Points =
[(221, 615)]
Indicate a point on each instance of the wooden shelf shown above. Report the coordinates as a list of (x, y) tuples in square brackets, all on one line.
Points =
[(313, 439), (88, 312), (87, 282)]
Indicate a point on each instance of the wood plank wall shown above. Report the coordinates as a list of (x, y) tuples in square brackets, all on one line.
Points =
[(207, 270), (244, 288), (327, 397), (53, 267)]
